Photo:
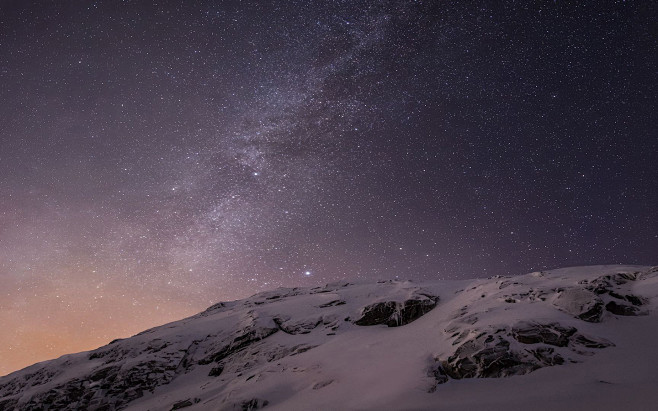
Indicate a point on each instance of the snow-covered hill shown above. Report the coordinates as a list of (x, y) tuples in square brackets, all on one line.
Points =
[(577, 338)]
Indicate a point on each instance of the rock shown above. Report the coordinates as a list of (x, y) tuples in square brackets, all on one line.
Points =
[(184, 404), (380, 313), (303, 326), (486, 356), (635, 300), (489, 354), (551, 334), (591, 342), (231, 341), (437, 372), (622, 309), (253, 404), (393, 313), (548, 356), (216, 371), (606, 284), (332, 303), (321, 384), (613, 286), (241, 340), (104, 373), (580, 303), (108, 388)]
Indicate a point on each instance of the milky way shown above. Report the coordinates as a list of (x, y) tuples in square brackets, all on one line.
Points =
[(156, 158)]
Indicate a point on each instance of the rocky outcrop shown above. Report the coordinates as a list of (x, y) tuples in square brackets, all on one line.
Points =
[(184, 403), (241, 340), (580, 303), (551, 334), (607, 293), (393, 313), (109, 388), (486, 356), (253, 404), (222, 357), (293, 327), (525, 347), (622, 309), (396, 313)]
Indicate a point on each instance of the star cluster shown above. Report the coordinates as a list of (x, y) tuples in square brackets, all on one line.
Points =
[(157, 157)]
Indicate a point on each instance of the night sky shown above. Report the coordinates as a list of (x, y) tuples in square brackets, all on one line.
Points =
[(158, 157)]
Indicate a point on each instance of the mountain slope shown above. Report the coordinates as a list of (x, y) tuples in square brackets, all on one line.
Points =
[(572, 338)]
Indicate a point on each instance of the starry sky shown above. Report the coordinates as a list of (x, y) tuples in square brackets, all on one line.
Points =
[(159, 156)]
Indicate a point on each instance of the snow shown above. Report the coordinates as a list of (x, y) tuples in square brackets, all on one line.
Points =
[(299, 349)]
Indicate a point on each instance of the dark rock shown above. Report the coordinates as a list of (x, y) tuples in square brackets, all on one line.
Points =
[(580, 303), (379, 313), (8, 404), (182, 404), (500, 361), (332, 303), (113, 387), (254, 404), (547, 356), (242, 340), (297, 327), (606, 284), (622, 309), (216, 371), (110, 354), (437, 372), (593, 315), (621, 278), (302, 348), (103, 373), (551, 334), (157, 345), (321, 384), (394, 314), (492, 355), (635, 300), (591, 342), (479, 359), (215, 307)]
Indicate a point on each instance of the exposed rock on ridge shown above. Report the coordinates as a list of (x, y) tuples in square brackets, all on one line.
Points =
[(267, 350)]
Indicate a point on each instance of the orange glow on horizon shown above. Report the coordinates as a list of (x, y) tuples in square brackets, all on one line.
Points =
[(49, 321)]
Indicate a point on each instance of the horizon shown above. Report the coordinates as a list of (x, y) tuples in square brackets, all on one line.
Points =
[(158, 158), (573, 338), (352, 282)]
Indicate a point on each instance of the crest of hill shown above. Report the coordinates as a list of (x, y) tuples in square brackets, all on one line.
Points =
[(568, 338)]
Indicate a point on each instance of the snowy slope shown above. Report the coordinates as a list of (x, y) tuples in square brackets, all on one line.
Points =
[(576, 338)]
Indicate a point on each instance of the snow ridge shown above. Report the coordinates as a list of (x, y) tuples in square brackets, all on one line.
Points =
[(388, 345)]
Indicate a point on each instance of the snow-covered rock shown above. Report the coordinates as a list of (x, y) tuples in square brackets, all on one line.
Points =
[(387, 345)]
